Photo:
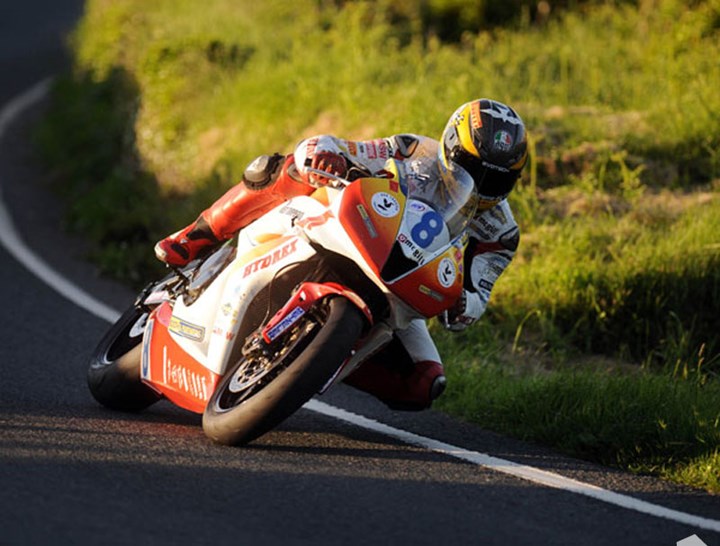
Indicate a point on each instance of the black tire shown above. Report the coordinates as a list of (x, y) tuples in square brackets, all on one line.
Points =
[(308, 357), (114, 372)]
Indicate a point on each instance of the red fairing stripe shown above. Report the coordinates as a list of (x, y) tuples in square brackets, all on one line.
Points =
[(178, 376), (306, 296)]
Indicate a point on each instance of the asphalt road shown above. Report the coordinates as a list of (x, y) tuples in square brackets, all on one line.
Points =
[(74, 473)]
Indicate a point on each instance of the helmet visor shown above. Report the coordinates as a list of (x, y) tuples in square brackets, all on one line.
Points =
[(493, 183)]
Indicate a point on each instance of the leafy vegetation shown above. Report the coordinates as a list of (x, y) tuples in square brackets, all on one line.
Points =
[(620, 254)]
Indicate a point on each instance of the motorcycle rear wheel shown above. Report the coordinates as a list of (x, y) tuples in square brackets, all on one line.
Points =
[(258, 393), (114, 373)]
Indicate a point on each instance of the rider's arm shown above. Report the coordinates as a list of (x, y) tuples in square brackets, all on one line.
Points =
[(367, 155), (494, 237)]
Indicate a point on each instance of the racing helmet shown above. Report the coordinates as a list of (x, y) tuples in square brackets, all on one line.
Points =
[(488, 140)]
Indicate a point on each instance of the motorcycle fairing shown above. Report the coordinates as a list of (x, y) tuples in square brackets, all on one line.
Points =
[(186, 348), (168, 368), (436, 286), (370, 212), (247, 277), (429, 278)]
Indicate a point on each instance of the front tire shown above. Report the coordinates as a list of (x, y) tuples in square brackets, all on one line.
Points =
[(260, 391), (114, 372)]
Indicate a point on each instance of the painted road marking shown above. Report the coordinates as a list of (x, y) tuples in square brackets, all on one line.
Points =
[(10, 239), (530, 473)]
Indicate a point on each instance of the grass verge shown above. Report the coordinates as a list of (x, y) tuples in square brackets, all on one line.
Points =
[(645, 422)]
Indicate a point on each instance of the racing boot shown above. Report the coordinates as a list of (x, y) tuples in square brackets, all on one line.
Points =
[(267, 182), (407, 390), (189, 243)]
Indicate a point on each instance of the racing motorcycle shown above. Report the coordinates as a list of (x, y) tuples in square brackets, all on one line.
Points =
[(292, 305)]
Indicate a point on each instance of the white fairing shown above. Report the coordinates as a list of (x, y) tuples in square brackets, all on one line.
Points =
[(219, 308), (332, 236), (279, 238)]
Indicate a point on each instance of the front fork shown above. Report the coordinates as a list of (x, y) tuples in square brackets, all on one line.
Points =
[(304, 298)]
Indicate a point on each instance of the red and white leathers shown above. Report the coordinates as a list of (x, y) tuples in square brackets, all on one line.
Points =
[(408, 373)]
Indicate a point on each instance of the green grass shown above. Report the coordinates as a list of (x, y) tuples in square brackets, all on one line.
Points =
[(223, 81), (588, 406), (639, 284), (637, 420), (619, 208)]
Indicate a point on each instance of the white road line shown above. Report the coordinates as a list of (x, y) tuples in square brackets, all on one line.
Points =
[(535, 475), (10, 238), (14, 244)]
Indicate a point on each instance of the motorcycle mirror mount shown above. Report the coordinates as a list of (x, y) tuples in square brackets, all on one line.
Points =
[(340, 181)]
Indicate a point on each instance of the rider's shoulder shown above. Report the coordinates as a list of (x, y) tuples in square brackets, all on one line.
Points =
[(406, 145), (496, 224), (500, 215)]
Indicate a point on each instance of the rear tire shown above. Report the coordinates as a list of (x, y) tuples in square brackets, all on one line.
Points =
[(257, 393), (114, 372)]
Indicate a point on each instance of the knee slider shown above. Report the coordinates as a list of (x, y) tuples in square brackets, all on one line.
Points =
[(263, 171)]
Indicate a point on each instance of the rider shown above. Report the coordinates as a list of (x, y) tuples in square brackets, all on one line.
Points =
[(485, 137)]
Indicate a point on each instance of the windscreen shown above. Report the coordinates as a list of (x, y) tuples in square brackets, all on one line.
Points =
[(452, 194)]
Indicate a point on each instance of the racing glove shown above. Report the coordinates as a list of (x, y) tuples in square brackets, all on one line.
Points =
[(330, 162), (466, 311)]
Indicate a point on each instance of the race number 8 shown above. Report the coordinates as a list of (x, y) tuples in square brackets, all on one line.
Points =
[(429, 227)]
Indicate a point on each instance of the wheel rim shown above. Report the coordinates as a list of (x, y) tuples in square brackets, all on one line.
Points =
[(262, 366)]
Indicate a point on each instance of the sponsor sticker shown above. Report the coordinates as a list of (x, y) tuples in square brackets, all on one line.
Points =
[(475, 117), (446, 272), (293, 212), (498, 214), (285, 323), (312, 145), (503, 141), (270, 258), (385, 204), (228, 310), (184, 379), (485, 285), (417, 206), (368, 222), (410, 249), (186, 329), (430, 292), (219, 332)]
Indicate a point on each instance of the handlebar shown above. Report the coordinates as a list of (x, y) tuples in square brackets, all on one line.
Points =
[(341, 182)]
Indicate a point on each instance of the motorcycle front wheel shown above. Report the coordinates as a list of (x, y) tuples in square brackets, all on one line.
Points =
[(114, 373), (267, 386)]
